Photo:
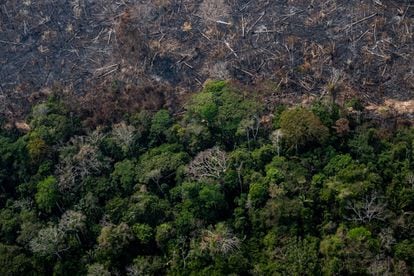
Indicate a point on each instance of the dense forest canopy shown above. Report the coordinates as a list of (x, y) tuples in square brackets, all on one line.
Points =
[(225, 188)]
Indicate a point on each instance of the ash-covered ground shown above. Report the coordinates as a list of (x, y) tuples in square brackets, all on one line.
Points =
[(288, 48)]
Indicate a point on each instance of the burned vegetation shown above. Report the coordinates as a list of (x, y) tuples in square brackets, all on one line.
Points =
[(342, 48)]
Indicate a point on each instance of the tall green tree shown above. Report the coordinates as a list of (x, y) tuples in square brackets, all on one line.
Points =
[(47, 194), (301, 126)]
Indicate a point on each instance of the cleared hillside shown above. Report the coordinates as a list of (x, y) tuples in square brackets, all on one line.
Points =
[(302, 47)]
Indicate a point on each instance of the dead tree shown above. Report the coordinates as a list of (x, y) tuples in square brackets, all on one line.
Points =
[(370, 208), (276, 138), (209, 164), (49, 241), (73, 222), (220, 240), (84, 159), (250, 128), (123, 135)]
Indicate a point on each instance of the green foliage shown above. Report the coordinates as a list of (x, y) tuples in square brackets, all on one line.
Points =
[(160, 124), (13, 261), (337, 163), (203, 201), (221, 109), (327, 113), (204, 107), (51, 122), (257, 193), (404, 250), (9, 225), (347, 179), (97, 269), (143, 232), (331, 248), (359, 234), (14, 163), (37, 148), (195, 137), (365, 144), (349, 252), (115, 208), (147, 265), (215, 87), (146, 208), (47, 194), (296, 257), (113, 239), (160, 164), (300, 127), (355, 104), (215, 190), (263, 155), (164, 233), (124, 175), (141, 121), (101, 187), (276, 118)]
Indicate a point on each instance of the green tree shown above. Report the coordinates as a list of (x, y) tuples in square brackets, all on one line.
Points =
[(347, 180), (204, 201), (47, 194), (37, 148), (360, 251), (13, 261), (98, 269), (51, 121), (160, 124), (15, 167), (221, 108), (292, 257), (147, 265), (328, 113), (112, 240), (9, 224), (164, 234), (159, 166), (258, 193), (146, 208), (300, 127), (205, 107), (143, 232), (404, 250), (124, 176), (349, 252)]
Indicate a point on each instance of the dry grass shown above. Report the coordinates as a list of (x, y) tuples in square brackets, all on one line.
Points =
[(214, 10)]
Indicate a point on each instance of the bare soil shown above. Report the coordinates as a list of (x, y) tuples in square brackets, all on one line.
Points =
[(290, 49)]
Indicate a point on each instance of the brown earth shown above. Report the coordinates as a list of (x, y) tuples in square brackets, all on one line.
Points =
[(398, 107), (126, 52)]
